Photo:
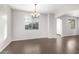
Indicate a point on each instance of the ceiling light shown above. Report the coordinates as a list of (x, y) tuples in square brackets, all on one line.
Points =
[(35, 14)]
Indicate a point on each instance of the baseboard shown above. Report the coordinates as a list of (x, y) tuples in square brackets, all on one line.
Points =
[(4, 44), (30, 39), (52, 37), (70, 36)]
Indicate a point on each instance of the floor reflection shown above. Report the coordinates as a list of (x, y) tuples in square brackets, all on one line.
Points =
[(31, 49), (59, 44), (66, 45), (71, 46)]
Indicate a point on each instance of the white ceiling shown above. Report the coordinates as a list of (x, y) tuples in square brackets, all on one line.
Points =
[(73, 13), (47, 8)]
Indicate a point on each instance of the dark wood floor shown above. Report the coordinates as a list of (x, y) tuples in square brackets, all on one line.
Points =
[(45, 46)]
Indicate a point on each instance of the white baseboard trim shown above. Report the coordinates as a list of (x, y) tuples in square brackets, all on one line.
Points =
[(4, 44), (34, 38), (28, 39), (53, 37), (69, 35)]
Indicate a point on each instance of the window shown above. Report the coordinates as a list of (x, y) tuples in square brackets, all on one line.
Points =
[(31, 24), (71, 23)]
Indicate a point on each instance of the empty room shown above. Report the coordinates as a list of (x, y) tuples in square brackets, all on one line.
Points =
[(39, 28)]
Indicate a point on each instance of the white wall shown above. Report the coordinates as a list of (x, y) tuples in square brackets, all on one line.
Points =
[(47, 26), (77, 22), (51, 26), (5, 22), (19, 32), (66, 30)]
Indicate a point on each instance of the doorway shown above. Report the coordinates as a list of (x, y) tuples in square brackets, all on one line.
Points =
[(59, 26)]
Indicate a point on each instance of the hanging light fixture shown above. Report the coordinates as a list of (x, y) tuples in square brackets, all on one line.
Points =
[(35, 14)]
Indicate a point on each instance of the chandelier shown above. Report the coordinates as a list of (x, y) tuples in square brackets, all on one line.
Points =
[(35, 14)]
